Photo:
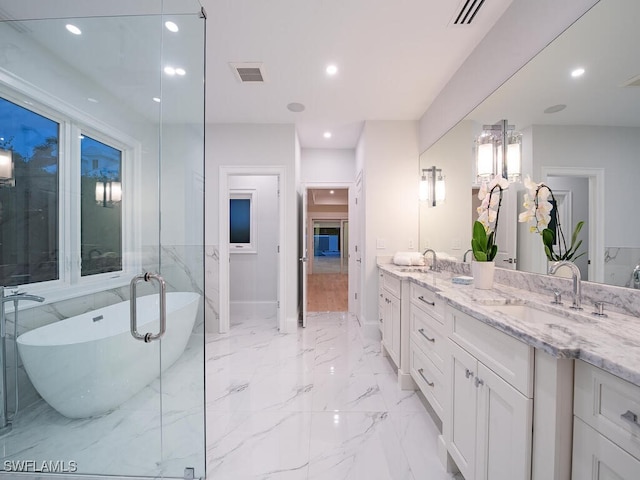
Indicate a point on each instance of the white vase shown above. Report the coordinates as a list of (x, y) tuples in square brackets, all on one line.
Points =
[(483, 273)]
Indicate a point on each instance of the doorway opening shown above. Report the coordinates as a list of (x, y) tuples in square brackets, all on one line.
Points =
[(328, 249)]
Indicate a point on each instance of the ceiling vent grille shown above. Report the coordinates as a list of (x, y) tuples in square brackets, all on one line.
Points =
[(468, 12), (249, 72)]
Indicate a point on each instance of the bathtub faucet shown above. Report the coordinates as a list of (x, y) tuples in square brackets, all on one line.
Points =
[(15, 297)]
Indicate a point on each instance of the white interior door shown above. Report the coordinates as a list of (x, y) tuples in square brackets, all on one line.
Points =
[(304, 254)]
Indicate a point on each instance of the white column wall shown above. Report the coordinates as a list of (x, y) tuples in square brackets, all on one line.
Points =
[(389, 152)]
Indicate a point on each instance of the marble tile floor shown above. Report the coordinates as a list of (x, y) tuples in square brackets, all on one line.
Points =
[(320, 404)]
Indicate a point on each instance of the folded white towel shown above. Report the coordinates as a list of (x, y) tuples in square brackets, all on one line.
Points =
[(401, 259), (408, 258)]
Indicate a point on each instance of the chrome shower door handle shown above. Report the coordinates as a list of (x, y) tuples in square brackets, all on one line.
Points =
[(147, 277)]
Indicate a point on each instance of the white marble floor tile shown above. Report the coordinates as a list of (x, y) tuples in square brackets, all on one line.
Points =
[(260, 445), (397, 400), (355, 445), (350, 393)]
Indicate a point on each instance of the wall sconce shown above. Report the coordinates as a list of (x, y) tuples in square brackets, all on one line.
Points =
[(6, 169), (108, 193), (432, 187), (497, 142)]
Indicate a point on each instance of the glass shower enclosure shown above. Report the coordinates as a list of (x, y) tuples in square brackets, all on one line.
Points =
[(101, 238)]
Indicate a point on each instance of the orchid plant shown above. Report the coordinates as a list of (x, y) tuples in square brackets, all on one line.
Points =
[(538, 204), (484, 229)]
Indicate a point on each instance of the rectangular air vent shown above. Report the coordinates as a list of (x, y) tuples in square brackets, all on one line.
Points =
[(249, 72), (468, 11)]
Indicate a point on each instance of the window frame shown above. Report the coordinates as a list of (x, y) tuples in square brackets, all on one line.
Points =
[(252, 195), (73, 123)]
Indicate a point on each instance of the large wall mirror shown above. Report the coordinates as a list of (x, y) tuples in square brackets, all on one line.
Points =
[(581, 136)]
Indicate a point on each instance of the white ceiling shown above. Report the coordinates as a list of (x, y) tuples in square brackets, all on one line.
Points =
[(393, 56)]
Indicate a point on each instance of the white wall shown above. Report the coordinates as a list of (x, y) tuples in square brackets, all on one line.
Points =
[(389, 153), (525, 29), (330, 165), (252, 145), (253, 276)]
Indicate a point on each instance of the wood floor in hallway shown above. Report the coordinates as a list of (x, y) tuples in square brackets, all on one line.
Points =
[(327, 292)]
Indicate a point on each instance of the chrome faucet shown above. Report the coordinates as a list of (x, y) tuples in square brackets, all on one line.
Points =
[(577, 281), (464, 257), (15, 297), (635, 277), (434, 265)]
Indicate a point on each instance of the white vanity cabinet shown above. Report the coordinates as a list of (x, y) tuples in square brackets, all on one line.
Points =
[(389, 314), (427, 347), (606, 438), (488, 420)]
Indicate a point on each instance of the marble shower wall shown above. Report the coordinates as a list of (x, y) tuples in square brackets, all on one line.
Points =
[(619, 263), (212, 288)]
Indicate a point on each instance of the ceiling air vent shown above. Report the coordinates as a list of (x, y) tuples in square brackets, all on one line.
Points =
[(468, 11), (249, 72)]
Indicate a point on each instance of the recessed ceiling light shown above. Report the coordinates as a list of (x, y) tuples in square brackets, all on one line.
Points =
[(331, 192), (172, 27), (92, 100), (181, 71), (327, 135), (169, 70), (578, 72), (332, 69), (555, 108), (73, 29), (156, 99), (296, 107)]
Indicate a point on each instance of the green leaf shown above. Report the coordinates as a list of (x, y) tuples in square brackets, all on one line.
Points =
[(548, 237), (480, 256), (576, 231), (479, 233), (493, 252)]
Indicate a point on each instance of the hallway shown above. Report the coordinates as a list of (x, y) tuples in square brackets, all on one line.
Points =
[(327, 292), (319, 404)]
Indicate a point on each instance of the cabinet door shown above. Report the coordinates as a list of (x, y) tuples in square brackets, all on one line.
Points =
[(394, 315), (597, 458), (504, 429), (460, 430)]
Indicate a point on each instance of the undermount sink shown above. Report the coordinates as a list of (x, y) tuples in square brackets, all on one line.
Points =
[(527, 313)]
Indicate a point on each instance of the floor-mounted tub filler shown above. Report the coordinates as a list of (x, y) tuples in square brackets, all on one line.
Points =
[(88, 365)]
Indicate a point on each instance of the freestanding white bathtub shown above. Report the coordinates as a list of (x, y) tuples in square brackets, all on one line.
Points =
[(90, 364)]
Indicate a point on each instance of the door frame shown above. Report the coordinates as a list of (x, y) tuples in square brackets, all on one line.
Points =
[(227, 171), (596, 213), (305, 187)]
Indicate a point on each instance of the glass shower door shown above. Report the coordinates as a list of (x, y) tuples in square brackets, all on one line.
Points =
[(101, 126)]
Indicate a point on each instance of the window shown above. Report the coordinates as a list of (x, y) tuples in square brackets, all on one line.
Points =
[(100, 212), (43, 220), (242, 231), (29, 240)]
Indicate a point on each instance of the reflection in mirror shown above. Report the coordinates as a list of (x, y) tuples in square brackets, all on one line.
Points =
[(581, 136)]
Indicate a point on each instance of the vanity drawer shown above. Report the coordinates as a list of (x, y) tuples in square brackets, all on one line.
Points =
[(390, 283), (428, 334), (609, 404), (426, 300), (428, 377), (508, 357)]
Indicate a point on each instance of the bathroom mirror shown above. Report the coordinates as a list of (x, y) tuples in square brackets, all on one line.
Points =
[(581, 135)]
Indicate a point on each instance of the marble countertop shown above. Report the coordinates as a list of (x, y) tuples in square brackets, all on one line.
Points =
[(611, 343)]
